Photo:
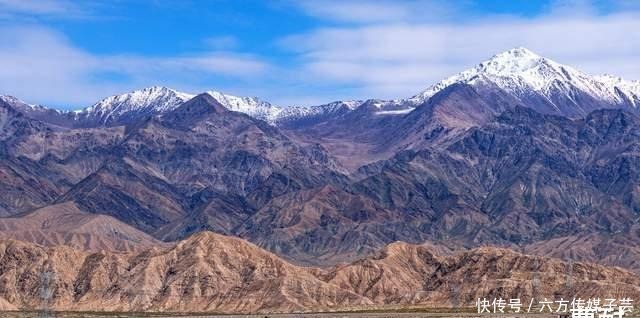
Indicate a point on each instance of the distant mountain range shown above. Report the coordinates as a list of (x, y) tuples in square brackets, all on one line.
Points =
[(527, 77), (519, 152)]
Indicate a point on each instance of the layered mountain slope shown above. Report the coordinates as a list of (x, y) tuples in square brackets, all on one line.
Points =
[(214, 273), (523, 178), (65, 224), (494, 156), (350, 132), (410, 274), (24, 186), (534, 176), (41, 161), (327, 225), (22, 183), (620, 249), (172, 168), (207, 272)]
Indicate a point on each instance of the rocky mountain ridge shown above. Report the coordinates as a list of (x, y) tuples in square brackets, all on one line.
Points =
[(214, 273), (526, 76)]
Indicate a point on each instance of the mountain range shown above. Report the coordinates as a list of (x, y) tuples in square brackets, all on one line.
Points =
[(518, 152), (526, 77), (219, 274)]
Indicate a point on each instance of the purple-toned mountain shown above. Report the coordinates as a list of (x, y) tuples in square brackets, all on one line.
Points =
[(199, 167)]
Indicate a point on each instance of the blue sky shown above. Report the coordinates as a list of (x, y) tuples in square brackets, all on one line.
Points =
[(69, 54)]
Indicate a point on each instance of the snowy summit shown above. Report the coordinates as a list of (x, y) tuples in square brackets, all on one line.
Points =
[(520, 71)]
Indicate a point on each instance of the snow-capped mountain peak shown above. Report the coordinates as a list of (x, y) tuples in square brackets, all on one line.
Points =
[(156, 98), (521, 72), (159, 99), (251, 106), (15, 101), (29, 108)]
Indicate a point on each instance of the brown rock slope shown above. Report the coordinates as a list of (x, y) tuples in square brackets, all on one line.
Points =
[(621, 249), (210, 272), (207, 272), (65, 224), (412, 274), (334, 225)]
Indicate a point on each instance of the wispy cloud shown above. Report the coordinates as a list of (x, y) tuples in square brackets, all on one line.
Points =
[(391, 58), (42, 65), (30, 10), (360, 11), (221, 42), (38, 6)]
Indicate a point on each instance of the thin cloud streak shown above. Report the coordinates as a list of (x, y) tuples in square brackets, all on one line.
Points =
[(37, 6), (394, 60), (44, 67), (384, 11)]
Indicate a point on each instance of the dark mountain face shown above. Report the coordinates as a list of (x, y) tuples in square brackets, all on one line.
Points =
[(42, 161), (327, 224), (22, 182), (200, 167), (534, 176)]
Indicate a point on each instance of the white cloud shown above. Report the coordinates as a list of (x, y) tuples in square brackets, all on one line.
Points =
[(396, 59), (361, 11), (37, 6), (31, 10), (214, 63), (221, 42), (42, 66)]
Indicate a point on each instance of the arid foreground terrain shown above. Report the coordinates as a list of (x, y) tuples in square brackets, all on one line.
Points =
[(213, 273)]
